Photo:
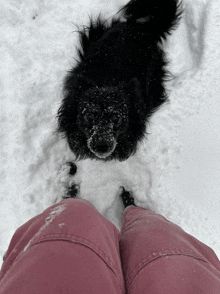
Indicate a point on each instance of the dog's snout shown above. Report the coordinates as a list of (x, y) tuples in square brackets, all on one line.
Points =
[(102, 147)]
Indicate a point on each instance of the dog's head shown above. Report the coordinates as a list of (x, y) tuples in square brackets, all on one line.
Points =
[(103, 118), (102, 122)]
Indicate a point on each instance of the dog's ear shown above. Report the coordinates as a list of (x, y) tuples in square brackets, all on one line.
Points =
[(83, 83), (75, 84), (134, 88), (137, 104)]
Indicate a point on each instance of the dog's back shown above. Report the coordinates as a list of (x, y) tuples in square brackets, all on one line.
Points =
[(122, 50)]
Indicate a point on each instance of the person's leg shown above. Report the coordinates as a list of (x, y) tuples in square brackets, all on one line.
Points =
[(159, 257), (69, 248)]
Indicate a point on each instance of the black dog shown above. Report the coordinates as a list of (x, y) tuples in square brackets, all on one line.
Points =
[(118, 81)]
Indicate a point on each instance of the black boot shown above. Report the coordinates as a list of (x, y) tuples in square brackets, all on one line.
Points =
[(127, 198)]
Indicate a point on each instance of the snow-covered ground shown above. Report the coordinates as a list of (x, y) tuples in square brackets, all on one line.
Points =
[(176, 171)]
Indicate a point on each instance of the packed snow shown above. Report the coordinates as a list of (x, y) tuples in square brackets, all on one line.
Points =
[(176, 171)]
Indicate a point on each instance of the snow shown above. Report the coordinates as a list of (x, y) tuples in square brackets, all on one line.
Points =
[(53, 214), (176, 170)]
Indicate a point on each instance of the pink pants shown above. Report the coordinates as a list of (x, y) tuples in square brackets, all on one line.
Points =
[(72, 248)]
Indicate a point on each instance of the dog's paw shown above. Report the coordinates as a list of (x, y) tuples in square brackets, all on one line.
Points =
[(72, 188), (73, 168), (72, 191), (68, 186)]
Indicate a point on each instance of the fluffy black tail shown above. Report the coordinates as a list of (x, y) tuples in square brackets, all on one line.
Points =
[(160, 16)]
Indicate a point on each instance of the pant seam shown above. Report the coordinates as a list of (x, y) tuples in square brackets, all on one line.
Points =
[(159, 254)]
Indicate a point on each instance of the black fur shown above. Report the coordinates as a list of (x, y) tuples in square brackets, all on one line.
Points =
[(118, 81)]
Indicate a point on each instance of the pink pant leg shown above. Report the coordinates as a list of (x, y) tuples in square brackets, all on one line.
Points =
[(159, 257), (69, 248)]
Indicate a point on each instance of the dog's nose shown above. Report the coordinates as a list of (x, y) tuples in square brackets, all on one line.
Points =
[(102, 147)]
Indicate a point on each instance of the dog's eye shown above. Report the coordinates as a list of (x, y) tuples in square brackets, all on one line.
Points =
[(116, 119), (89, 118)]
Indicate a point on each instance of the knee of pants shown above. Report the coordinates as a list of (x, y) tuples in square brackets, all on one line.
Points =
[(74, 213), (74, 219)]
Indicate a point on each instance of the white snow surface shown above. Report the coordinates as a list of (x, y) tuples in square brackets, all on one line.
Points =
[(176, 170)]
